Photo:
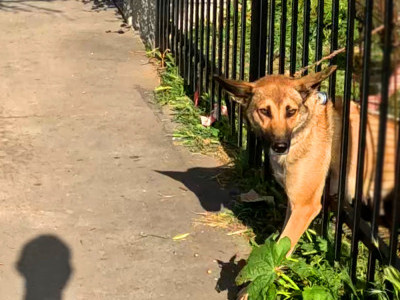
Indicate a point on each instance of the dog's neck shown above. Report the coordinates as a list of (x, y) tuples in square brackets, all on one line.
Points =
[(317, 120), (308, 133)]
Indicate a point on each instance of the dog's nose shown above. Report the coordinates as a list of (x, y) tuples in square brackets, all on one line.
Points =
[(280, 147)]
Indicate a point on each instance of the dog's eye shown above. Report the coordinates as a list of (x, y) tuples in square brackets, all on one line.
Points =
[(290, 112), (266, 112)]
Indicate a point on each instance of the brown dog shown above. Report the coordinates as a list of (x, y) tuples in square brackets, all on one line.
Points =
[(305, 142)]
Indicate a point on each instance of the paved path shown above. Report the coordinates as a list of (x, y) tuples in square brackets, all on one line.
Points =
[(91, 187)]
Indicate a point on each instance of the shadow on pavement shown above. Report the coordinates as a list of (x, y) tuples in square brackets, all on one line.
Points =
[(202, 183), (226, 281), (45, 264), (16, 6)]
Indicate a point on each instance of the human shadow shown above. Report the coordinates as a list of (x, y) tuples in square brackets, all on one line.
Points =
[(45, 264), (226, 281)]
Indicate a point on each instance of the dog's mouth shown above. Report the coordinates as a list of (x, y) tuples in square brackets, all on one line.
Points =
[(272, 152)]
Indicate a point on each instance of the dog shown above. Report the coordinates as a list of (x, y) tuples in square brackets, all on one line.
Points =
[(304, 135)]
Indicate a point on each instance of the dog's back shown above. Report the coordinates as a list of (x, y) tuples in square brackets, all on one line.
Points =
[(388, 175)]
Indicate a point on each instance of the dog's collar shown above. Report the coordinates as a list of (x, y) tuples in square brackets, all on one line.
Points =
[(322, 98)]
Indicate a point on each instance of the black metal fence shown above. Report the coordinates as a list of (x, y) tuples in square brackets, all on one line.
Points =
[(246, 40)]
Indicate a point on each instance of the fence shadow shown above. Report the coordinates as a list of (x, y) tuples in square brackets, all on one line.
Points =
[(100, 5), (15, 6), (45, 265), (262, 217)]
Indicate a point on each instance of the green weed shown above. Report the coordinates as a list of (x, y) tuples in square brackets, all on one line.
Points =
[(308, 274)]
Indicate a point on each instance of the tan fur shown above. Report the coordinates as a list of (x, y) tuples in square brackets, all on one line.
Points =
[(314, 134), (370, 155)]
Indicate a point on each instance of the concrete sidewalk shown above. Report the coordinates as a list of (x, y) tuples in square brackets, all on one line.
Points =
[(91, 187)]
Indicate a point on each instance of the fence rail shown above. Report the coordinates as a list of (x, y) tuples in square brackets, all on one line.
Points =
[(246, 40)]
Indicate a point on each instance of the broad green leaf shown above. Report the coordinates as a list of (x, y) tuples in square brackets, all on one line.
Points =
[(281, 249), (261, 268), (271, 293), (258, 289), (317, 293), (301, 268), (264, 259)]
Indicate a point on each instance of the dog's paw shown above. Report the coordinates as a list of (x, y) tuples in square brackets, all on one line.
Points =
[(242, 295)]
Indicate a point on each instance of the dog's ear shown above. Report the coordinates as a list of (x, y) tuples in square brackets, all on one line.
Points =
[(241, 90), (309, 83)]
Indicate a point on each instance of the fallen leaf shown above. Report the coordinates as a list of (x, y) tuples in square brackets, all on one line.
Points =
[(180, 236), (237, 232)]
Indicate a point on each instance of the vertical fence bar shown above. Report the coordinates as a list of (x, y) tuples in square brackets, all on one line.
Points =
[(331, 92), (254, 69), (208, 36), (320, 33), (220, 51), (235, 37), (271, 37), (382, 134), (157, 26), (306, 33), (213, 52), (234, 59), (201, 50), (242, 65), (161, 25), (165, 25), (394, 237), (171, 25), (176, 32), (186, 41), (181, 38), (196, 46), (351, 10), (362, 135), (334, 46), (262, 57), (190, 52), (262, 71), (293, 38), (257, 66), (227, 52), (253, 72), (282, 43)]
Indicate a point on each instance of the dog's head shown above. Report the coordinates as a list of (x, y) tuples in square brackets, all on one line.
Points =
[(276, 105)]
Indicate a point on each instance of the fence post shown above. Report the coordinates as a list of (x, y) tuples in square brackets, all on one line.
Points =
[(157, 27), (258, 55), (351, 10)]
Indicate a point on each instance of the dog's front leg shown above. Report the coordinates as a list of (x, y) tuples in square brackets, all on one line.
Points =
[(299, 220), (304, 194)]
